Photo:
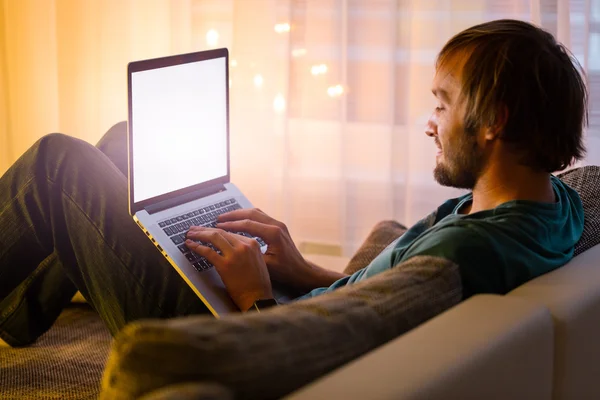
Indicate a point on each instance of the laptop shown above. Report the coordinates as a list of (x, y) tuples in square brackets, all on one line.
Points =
[(178, 145)]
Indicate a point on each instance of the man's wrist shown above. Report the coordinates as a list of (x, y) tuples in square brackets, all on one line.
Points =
[(315, 276), (262, 304), (246, 303)]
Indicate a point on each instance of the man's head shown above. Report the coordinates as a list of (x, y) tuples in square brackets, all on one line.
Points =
[(506, 82)]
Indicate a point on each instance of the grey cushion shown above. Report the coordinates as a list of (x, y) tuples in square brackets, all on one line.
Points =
[(382, 234), (269, 354)]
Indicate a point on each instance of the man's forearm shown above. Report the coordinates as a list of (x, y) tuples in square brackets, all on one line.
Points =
[(313, 277)]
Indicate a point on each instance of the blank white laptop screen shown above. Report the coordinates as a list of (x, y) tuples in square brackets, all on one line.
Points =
[(179, 127)]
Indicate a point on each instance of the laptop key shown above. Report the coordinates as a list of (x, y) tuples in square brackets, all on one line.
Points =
[(198, 266), (168, 231), (177, 239), (183, 248), (205, 264)]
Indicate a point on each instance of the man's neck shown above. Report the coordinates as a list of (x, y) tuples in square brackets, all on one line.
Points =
[(499, 185)]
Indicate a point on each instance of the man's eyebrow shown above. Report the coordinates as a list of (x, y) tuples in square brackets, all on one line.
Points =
[(442, 94)]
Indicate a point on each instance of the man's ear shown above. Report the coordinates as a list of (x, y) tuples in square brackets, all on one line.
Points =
[(497, 126)]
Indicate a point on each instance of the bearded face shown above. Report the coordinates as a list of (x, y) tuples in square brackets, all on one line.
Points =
[(460, 161)]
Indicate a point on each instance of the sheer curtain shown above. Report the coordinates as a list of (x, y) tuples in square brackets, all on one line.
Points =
[(329, 98)]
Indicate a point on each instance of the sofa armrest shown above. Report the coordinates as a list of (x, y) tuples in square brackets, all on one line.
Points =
[(490, 346)]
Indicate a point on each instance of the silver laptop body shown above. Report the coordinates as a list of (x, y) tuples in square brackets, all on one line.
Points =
[(178, 145)]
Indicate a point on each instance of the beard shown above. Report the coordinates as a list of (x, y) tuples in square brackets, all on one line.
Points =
[(462, 163)]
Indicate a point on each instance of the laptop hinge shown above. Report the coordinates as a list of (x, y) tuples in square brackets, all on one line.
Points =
[(196, 194)]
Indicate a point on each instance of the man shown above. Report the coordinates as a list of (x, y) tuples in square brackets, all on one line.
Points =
[(511, 110)]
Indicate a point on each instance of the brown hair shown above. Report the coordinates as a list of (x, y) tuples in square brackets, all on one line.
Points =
[(516, 65)]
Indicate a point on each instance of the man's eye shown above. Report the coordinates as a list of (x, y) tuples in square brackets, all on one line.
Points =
[(439, 108)]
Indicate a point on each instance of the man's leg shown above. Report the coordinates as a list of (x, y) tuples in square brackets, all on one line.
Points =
[(114, 145), (38, 301), (65, 197)]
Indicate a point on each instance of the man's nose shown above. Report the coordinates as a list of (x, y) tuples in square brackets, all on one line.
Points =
[(431, 127)]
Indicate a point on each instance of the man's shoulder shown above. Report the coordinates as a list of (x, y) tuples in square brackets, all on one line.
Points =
[(454, 239)]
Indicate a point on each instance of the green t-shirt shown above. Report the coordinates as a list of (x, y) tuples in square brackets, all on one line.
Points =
[(496, 250)]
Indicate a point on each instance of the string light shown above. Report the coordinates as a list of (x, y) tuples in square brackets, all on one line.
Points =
[(335, 91), (279, 103), (212, 38), (258, 80), (318, 69), (281, 28)]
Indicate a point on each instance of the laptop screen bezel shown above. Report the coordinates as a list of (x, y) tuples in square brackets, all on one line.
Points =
[(145, 65)]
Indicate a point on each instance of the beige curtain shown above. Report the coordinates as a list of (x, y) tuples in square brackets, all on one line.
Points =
[(328, 97)]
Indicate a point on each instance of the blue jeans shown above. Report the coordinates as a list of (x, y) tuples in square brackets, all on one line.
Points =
[(65, 226)]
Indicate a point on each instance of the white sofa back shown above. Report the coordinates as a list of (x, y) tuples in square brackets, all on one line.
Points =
[(572, 294)]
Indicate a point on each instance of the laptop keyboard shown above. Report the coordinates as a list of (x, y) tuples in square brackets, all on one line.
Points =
[(176, 228)]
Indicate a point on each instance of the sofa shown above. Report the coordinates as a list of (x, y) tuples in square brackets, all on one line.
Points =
[(537, 342), (417, 341)]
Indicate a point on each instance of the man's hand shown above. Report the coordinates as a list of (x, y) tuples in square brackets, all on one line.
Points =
[(240, 264), (285, 263)]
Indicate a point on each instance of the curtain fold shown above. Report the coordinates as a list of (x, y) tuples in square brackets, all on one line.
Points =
[(329, 98)]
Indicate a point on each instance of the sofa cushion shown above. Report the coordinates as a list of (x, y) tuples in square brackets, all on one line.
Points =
[(382, 234), (269, 354), (586, 181)]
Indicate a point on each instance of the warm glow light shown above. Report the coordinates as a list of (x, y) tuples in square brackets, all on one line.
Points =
[(233, 63), (212, 38), (279, 103), (258, 80), (334, 91), (318, 69), (281, 28), (298, 52)]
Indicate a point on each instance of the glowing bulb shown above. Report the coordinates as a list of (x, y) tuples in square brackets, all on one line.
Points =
[(318, 69), (258, 80), (233, 63), (334, 91), (279, 103), (212, 38), (280, 28)]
